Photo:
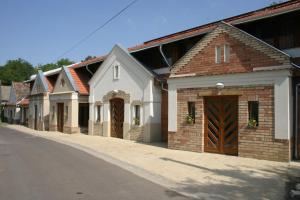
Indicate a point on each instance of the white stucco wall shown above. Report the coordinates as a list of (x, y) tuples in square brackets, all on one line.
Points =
[(134, 80)]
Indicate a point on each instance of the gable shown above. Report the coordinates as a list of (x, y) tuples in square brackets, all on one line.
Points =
[(246, 54), (38, 86), (63, 83), (127, 63), (12, 95), (133, 79)]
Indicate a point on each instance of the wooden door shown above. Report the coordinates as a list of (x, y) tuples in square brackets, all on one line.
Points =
[(221, 125), (117, 117), (60, 117), (35, 117)]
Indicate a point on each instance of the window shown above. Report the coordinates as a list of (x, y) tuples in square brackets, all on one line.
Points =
[(226, 53), (192, 111), (98, 112), (62, 83), (116, 72), (218, 54), (53, 112), (137, 111), (253, 113), (66, 113)]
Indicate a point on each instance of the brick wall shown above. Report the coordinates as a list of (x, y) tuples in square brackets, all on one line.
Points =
[(253, 143), (243, 58)]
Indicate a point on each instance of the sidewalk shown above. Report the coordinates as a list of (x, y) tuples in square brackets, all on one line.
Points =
[(201, 175)]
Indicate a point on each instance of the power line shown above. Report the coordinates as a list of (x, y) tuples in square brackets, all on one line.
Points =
[(97, 29)]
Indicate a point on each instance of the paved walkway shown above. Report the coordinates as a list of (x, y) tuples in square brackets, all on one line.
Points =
[(202, 175)]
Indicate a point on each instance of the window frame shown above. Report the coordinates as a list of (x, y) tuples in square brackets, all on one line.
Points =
[(137, 114), (192, 110), (98, 113), (226, 53), (253, 114), (116, 71), (218, 52)]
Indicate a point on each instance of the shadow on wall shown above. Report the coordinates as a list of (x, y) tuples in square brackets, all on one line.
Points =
[(236, 183)]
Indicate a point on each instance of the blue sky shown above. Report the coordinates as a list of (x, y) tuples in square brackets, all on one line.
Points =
[(39, 31)]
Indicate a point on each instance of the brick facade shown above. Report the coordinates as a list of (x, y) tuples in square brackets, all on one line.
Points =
[(252, 142), (242, 58)]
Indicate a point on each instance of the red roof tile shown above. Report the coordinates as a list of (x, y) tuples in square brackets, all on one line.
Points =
[(81, 81), (50, 86), (264, 12), (24, 102)]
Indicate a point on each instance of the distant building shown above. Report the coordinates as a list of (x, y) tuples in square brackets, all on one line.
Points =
[(16, 109)]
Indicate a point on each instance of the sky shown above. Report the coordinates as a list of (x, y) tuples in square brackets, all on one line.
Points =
[(39, 31)]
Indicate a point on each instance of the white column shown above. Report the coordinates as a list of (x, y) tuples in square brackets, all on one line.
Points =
[(283, 108), (106, 120), (172, 109)]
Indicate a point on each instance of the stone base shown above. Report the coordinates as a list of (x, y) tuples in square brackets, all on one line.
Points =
[(136, 133), (71, 130), (52, 128)]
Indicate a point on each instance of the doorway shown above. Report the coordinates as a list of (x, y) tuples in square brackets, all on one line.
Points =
[(83, 117), (60, 117), (221, 125), (117, 117)]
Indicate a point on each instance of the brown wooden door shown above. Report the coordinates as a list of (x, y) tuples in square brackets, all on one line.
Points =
[(117, 117), (35, 117), (221, 125), (60, 117)]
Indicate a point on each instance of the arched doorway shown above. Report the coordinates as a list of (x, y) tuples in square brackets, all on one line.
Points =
[(117, 117)]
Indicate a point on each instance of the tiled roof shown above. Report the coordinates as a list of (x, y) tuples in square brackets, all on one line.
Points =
[(21, 89), (250, 16), (50, 86), (88, 62), (264, 12), (80, 80), (24, 102)]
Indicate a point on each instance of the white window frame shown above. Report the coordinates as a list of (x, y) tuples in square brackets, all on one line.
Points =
[(134, 114), (98, 117), (218, 54), (226, 53), (116, 71)]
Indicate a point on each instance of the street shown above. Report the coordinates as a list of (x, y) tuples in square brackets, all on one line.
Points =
[(33, 168)]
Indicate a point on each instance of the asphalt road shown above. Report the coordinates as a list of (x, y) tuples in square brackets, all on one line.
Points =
[(33, 168)]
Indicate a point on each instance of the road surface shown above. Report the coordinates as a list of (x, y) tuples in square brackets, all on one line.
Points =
[(33, 168)]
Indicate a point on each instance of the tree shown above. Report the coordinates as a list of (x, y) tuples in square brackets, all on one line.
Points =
[(277, 2), (59, 63), (16, 70)]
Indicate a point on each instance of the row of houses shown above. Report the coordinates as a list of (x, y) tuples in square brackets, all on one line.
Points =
[(228, 87)]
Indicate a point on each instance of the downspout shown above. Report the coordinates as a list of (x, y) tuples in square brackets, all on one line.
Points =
[(163, 55), (87, 68), (296, 121), (166, 61)]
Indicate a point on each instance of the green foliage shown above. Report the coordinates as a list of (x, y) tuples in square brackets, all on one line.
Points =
[(277, 2), (15, 70), (59, 63)]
